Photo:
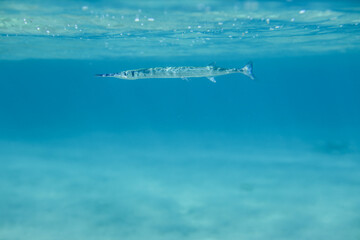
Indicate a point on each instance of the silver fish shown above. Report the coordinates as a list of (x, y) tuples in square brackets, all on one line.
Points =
[(184, 73)]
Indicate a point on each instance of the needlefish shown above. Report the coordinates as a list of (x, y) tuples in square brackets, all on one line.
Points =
[(209, 71)]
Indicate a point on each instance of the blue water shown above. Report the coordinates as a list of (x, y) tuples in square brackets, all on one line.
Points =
[(102, 158)]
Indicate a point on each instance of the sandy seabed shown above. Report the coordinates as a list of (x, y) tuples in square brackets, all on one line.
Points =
[(114, 189)]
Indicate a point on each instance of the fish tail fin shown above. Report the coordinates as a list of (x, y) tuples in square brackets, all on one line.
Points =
[(105, 75), (248, 70)]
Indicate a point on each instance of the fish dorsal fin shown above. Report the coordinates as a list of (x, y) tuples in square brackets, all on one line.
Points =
[(212, 64)]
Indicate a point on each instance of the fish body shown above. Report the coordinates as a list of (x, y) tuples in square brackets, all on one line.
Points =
[(209, 72)]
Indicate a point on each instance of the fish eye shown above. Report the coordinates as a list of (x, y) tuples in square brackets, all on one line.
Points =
[(125, 73)]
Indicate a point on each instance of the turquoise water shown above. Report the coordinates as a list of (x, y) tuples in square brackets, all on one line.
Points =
[(103, 158)]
